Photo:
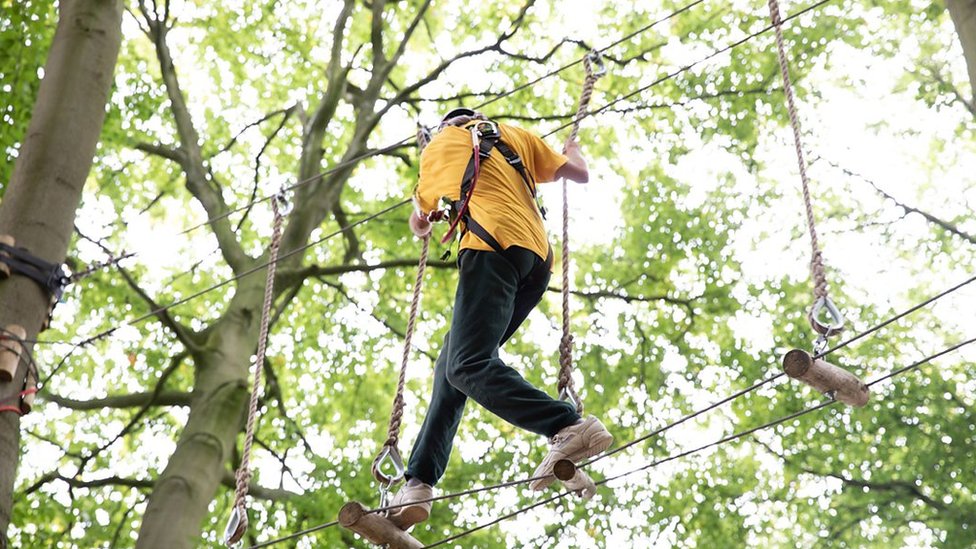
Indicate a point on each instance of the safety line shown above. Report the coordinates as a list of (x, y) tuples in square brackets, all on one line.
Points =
[(335, 168), (225, 282), (671, 75), (377, 152), (405, 140), (723, 440), (776, 376), (873, 329), (588, 114)]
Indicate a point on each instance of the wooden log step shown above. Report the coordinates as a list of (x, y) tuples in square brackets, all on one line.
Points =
[(375, 527), (10, 350), (823, 376), (574, 479)]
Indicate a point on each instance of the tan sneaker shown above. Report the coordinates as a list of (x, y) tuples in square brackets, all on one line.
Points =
[(579, 441), (405, 517)]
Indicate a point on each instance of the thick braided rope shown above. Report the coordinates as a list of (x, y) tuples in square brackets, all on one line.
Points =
[(565, 384), (816, 261), (244, 471), (393, 433), (396, 414)]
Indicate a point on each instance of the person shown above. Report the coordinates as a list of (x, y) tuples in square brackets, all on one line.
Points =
[(504, 268)]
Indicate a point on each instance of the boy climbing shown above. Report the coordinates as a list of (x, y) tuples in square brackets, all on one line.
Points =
[(504, 268)]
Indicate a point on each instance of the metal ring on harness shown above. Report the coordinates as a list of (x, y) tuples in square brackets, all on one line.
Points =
[(836, 322), (236, 527), (392, 455)]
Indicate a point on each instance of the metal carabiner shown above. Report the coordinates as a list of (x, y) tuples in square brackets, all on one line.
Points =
[(596, 60), (281, 199), (832, 326), (569, 396), (392, 455), (234, 532)]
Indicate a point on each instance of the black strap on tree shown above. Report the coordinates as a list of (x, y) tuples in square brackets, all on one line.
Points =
[(52, 277)]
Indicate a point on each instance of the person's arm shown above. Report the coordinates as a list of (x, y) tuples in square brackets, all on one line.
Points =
[(575, 168)]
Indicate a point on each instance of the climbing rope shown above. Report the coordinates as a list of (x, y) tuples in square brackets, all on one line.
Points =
[(821, 299), (390, 451), (237, 524), (566, 386)]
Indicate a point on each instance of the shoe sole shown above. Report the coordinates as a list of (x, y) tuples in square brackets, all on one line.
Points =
[(598, 444), (409, 516)]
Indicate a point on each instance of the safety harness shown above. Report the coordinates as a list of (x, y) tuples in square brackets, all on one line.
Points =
[(485, 137)]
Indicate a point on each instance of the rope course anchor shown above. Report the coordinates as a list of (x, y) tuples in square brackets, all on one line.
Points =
[(13, 350), (387, 468), (237, 524), (566, 386), (831, 380)]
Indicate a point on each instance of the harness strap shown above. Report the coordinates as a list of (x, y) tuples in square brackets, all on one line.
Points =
[(470, 177)]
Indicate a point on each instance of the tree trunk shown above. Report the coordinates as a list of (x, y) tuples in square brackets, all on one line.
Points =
[(963, 13), (38, 209), (181, 497)]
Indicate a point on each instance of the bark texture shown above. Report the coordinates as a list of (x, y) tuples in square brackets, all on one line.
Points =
[(963, 13), (39, 207)]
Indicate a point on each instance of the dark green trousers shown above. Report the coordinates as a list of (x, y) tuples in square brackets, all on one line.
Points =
[(495, 292)]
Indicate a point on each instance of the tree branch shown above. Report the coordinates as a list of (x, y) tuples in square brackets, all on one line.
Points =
[(945, 225), (198, 180), (133, 400), (175, 155), (300, 275)]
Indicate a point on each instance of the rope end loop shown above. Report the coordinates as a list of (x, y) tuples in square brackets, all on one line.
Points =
[(236, 527)]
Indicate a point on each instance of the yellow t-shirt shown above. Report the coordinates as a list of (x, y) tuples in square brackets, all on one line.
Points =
[(501, 202)]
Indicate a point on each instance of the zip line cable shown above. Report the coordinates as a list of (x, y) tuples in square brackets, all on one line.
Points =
[(364, 156), (778, 375), (730, 438), (688, 67), (406, 140), (150, 314), (258, 268), (845, 343), (341, 230)]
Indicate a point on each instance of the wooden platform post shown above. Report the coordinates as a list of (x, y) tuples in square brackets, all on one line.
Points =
[(574, 479), (10, 350), (375, 527), (4, 268), (823, 376)]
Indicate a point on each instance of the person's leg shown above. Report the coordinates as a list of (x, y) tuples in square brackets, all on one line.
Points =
[(432, 449), (484, 311)]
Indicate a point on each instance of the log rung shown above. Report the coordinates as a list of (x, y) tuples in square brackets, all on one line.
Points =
[(10, 350), (375, 527), (827, 378)]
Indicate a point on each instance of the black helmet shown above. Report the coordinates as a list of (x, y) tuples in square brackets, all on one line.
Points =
[(454, 113)]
